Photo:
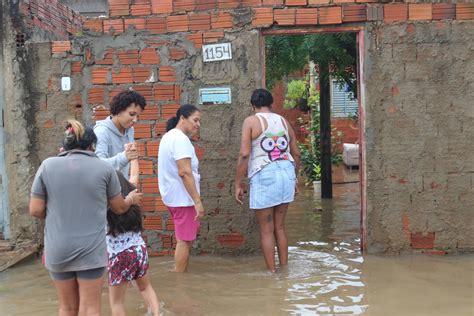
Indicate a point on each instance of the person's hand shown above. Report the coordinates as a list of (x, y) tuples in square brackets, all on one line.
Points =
[(136, 197), (239, 194), (131, 151), (199, 211)]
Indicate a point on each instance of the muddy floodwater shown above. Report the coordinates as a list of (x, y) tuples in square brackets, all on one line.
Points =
[(327, 275)]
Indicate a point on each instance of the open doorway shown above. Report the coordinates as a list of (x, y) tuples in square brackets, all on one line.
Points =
[(320, 92)]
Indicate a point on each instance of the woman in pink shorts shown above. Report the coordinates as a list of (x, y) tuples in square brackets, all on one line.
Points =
[(178, 179)]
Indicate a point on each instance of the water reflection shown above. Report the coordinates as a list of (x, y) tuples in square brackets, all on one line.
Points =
[(327, 275)]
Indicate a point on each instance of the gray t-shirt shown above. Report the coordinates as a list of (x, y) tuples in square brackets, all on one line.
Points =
[(76, 186)]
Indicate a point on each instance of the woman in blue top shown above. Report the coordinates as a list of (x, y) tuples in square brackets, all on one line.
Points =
[(115, 135), (270, 157)]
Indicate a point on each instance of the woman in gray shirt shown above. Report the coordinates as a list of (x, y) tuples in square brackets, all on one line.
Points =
[(71, 192)]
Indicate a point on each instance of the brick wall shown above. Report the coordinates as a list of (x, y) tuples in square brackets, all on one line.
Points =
[(154, 47)]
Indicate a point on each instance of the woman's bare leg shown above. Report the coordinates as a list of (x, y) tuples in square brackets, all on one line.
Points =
[(148, 294), (267, 240), (68, 295), (279, 215)]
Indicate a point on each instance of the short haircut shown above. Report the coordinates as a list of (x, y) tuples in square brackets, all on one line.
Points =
[(124, 99), (261, 97)]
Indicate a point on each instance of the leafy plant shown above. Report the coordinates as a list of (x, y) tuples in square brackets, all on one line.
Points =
[(310, 165), (296, 90)]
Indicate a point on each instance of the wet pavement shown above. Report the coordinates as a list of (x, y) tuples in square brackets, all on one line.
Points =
[(327, 275)]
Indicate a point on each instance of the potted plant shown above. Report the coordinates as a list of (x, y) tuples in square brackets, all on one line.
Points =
[(317, 179)]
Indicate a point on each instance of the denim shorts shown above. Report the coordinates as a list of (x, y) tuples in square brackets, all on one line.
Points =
[(273, 185)]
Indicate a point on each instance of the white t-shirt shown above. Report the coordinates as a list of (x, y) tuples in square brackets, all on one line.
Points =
[(175, 145)]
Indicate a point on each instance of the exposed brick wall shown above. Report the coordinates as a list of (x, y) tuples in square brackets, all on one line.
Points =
[(162, 62), (51, 16)]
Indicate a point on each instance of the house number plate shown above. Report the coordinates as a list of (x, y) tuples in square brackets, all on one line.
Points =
[(216, 52)]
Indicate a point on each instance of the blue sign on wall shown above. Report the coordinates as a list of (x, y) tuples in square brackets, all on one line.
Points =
[(219, 95)]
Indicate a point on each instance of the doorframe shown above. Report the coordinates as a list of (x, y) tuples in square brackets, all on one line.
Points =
[(360, 31), (4, 206)]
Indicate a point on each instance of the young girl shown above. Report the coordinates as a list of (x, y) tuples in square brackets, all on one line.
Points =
[(128, 256)]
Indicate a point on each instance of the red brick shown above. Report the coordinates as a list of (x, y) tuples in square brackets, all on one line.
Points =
[(318, 2), (140, 9), (160, 129), (183, 5), (422, 241), (231, 240), (206, 5), (108, 58), (161, 6), (148, 203), (167, 74), (197, 39), (141, 74), (296, 2), (251, 3), (150, 113), (221, 20), (177, 23), (262, 17), (176, 53), (272, 2), (60, 47), (76, 67), (419, 11), (227, 4), (99, 75), (156, 42), (119, 10), (152, 148), (149, 56), (48, 124), (464, 11), (122, 75), (156, 25), (343, 1), (152, 223), (169, 225), (113, 26), (436, 252), (160, 206), (330, 15), (94, 25), (169, 110), (100, 113), (146, 91), (96, 96), (201, 21), (142, 130), (212, 37), (395, 12), (442, 11), (164, 92), (199, 152), (138, 24), (284, 16), (307, 16), (128, 57), (145, 167), (354, 13), (141, 148)]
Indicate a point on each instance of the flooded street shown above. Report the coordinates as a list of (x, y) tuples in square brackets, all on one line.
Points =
[(326, 276)]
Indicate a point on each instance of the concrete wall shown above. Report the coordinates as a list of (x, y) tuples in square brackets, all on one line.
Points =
[(417, 158), (419, 129)]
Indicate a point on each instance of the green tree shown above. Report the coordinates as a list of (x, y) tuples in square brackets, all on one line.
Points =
[(335, 54)]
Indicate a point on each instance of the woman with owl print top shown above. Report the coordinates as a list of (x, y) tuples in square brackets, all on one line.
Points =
[(270, 157)]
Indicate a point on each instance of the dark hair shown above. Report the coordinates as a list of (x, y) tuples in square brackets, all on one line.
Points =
[(78, 137), (130, 221), (185, 110), (123, 100), (261, 97)]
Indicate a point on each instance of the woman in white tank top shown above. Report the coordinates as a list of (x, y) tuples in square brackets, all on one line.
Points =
[(269, 156)]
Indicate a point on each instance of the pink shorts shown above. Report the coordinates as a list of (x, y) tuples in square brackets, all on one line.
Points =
[(186, 228)]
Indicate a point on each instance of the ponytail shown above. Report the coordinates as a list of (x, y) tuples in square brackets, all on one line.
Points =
[(171, 123), (185, 110), (78, 137)]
